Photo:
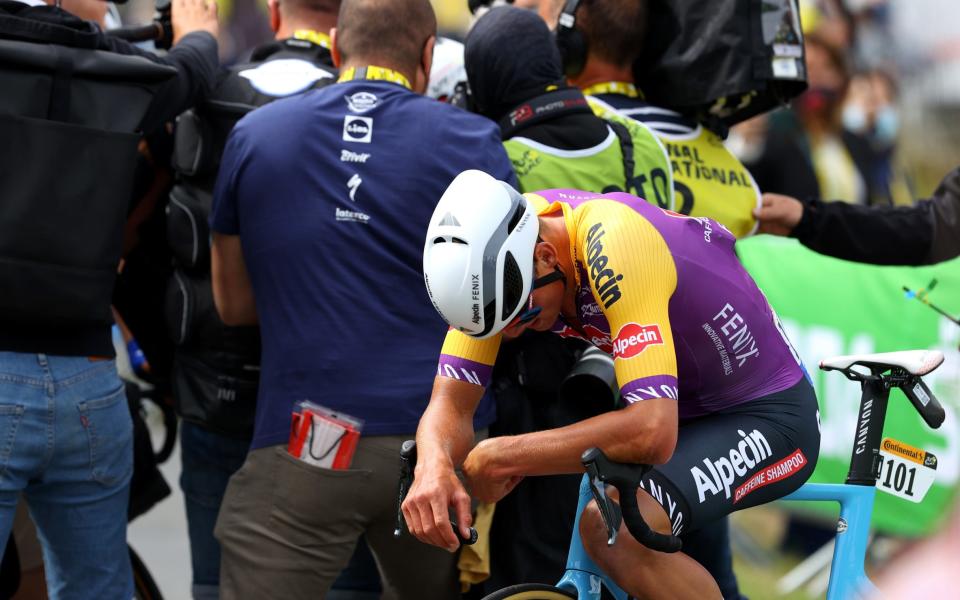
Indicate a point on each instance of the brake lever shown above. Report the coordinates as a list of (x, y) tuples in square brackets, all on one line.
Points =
[(609, 510)]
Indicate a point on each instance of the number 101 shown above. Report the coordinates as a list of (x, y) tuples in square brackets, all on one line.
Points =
[(899, 476)]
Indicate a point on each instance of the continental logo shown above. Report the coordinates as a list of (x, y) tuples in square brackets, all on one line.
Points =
[(908, 452), (632, 339), (604, 279)]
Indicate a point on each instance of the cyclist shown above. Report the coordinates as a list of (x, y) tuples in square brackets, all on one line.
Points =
[(715, 396)]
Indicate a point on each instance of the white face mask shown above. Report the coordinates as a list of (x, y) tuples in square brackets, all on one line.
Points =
[(887, 125), (854, 118)]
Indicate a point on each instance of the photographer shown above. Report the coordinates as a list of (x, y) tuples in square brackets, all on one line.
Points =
[(74, 106)]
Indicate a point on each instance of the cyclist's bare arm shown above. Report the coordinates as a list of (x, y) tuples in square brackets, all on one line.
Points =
[(644, 432), (444, 438)]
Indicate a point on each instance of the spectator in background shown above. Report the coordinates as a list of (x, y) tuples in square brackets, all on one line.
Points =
[(215, 367), (870, 110), (807, 153), (319, 213), (925, 233), (62, 407)]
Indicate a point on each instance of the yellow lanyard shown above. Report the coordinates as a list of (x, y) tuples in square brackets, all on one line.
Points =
[(377, 73), (315, 37), (613, 87)]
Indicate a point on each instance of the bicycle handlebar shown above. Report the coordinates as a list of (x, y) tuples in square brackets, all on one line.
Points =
[(626, 478)]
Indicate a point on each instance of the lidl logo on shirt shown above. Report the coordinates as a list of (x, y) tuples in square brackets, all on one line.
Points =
[(632, 339), (357, 129)]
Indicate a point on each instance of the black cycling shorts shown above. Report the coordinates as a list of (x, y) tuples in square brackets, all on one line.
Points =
[(740, 457)]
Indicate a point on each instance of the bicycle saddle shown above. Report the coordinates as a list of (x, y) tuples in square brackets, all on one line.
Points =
[(915, 362)]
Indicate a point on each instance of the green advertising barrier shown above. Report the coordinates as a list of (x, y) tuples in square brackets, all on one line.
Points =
[(831, 307)]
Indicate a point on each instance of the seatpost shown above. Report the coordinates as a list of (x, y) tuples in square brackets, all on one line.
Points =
[(865, 458)]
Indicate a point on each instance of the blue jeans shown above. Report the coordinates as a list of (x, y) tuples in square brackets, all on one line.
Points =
[(209, 459), (66, 443)]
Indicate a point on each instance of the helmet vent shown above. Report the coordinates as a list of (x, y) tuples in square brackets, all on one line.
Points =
[(450, 220), (512, 285), (454, 240), (516, 217)]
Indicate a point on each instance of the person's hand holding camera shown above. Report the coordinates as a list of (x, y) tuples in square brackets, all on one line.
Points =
[(188, 16)]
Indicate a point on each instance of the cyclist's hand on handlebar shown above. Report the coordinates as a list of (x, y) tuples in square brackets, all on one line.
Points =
[(778, 214), (426, 508), (188, 16), (484, 483)]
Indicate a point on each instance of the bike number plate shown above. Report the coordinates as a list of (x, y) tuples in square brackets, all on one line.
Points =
[(905, 471)]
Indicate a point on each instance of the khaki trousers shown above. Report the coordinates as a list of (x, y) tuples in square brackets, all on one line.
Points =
[(287, 528)]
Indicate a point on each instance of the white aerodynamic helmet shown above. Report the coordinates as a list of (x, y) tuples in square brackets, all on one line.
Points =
[(478, 256)]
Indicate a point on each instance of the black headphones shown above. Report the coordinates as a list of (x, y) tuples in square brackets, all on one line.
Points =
[(570, 41)]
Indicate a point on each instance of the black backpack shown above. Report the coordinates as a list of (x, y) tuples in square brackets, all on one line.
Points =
[(67, 120)]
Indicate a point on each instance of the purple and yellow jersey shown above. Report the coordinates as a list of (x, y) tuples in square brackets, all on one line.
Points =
[(665, 295)]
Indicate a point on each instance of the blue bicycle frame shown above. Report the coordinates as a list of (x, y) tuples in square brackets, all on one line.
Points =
[(583, 576), (847, 577)]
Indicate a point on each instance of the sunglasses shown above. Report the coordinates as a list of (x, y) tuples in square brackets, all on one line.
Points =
[(532, 311)]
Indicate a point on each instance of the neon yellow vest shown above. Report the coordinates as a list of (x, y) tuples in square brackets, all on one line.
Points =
[(599, 169), (708, 180)]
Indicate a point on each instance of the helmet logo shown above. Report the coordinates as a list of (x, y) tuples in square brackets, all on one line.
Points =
[(475, 296)]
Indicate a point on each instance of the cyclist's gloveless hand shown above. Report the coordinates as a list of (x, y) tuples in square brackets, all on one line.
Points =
[(484, 483), (435, 490)]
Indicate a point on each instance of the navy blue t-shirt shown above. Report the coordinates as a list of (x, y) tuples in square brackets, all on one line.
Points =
[(331, 193)]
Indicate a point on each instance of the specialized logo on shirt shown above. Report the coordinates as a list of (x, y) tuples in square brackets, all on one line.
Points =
[(354, 184), (357, 129), (739, 339), (362, 102), (721, 473), (604, 279), (632, 339), (352, 215), (353, 157)]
